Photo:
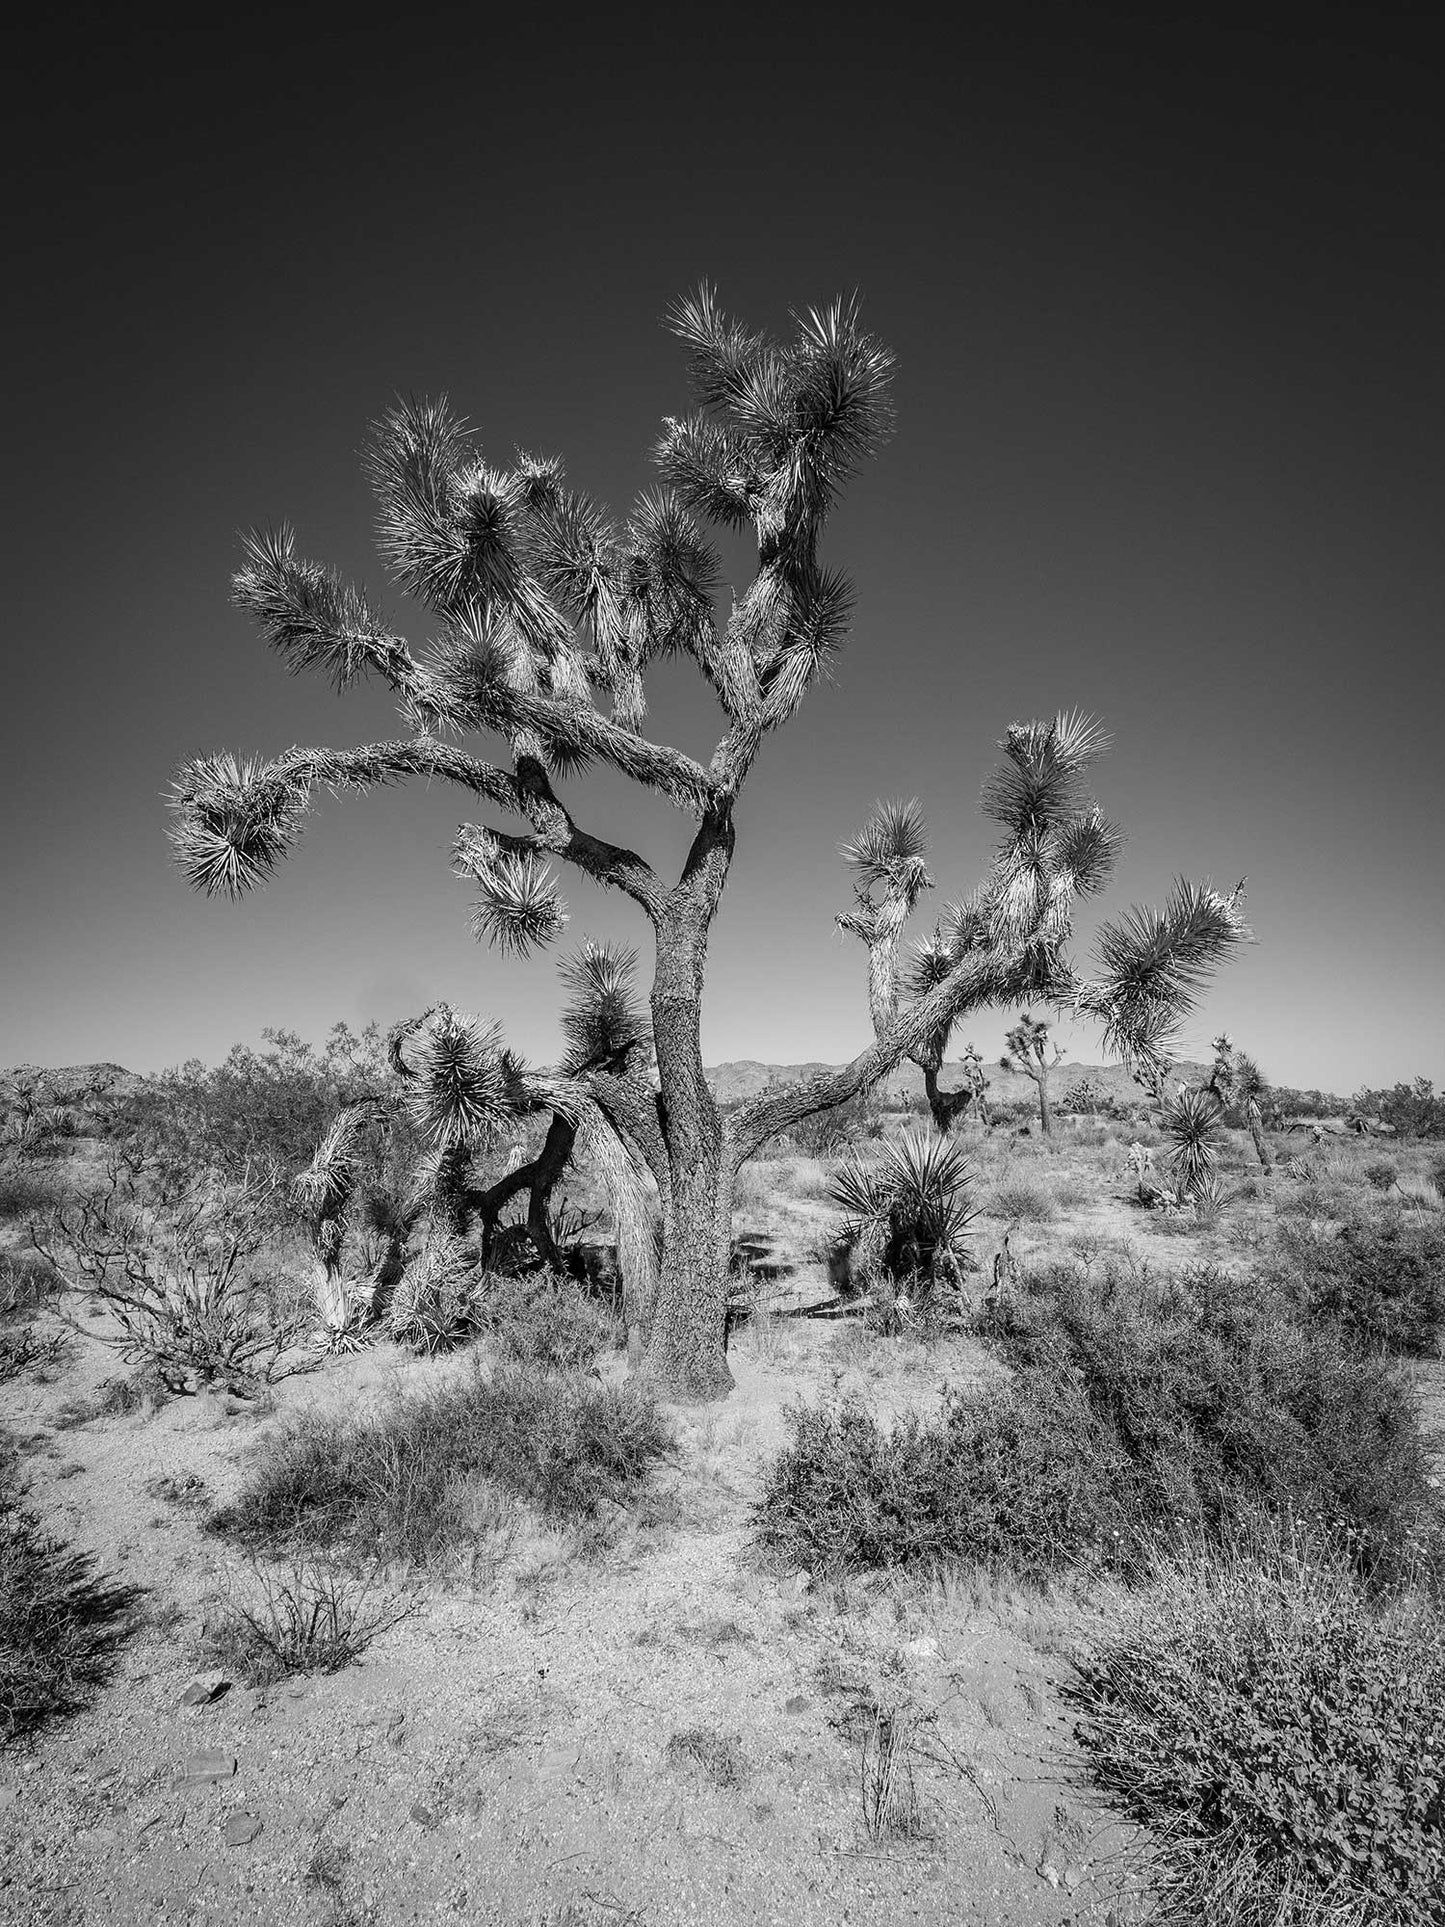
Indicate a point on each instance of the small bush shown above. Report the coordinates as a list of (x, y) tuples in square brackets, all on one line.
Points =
[(544, 1320), (1383, 1280), (1382, 1173), (21, 1351), (394, 1483), (26, 1193), (1134, 1407), (28, 1283), (309, 1619), (1221, 1395), (1283, 1733), (1023, 1201), (1003, 1480), (59, 1628)]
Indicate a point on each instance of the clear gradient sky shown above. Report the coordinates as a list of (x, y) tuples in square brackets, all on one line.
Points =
[(1168, 300)]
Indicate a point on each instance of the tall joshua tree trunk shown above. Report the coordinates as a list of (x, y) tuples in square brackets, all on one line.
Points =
[(687, 1344)]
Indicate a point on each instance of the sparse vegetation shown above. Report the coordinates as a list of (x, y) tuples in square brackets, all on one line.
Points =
[(1381, 1278), (1280, 1732), (396, 1483), (60, 1626), (182, 1281), (1135, 1406), (307, 1618)]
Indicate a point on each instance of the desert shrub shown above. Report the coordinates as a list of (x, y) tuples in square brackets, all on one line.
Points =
[(1006, 1479), (28, 1283), (256, 1108), (183, 1283), (1282, 1733), (1381, 1173), (828, 1132), (1223, 1397), (543, 1320), (310, 1618), (22, 1350), (1415, 1110), (1383, 1279), (59, 1627), (1023, 1200), (27, 1193), (392, 1483)]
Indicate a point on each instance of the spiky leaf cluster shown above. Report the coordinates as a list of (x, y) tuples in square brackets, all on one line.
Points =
[(601, 1019), (919, 1190), (519, 907), (459, 1086), (233, 821)]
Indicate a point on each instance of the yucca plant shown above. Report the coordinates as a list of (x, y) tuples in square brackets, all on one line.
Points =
[(1191, 1122), (913, 1207)]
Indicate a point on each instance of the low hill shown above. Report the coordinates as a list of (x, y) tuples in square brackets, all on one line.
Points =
[(746, 1078)]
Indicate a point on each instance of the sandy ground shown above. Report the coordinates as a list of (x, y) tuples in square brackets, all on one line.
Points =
[(516, 1750), (505, 1751)]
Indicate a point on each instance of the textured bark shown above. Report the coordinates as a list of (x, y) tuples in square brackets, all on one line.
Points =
[(539, 1178), (687, 1346), (945, 1105), (1256, 1131)]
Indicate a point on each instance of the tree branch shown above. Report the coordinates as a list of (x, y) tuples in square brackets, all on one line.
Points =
[(977, 979)]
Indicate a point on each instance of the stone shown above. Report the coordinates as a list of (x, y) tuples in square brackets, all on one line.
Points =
[(8, 1797), (209, 1764), (424, 1816), (206, 1690), (799, 1584), (1073, 1874), (923, 1648), (241, 1829), (797, 1703)]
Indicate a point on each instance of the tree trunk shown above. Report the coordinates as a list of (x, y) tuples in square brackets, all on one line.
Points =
[(687, 1352), (687, 1349), (1256, 1131), (945, 1105), (1046, 1107)]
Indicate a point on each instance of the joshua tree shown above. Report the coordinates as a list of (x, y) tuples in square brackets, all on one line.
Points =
[(1028, 1051), (1013, 929), (547, 616), (1235, 1079)]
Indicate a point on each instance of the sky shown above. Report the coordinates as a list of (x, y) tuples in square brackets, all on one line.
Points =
[(1167, 300)]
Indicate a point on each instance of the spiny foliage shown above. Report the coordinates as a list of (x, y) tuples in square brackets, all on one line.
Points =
[(916, 1197), (600, 1019), (1058, 849)]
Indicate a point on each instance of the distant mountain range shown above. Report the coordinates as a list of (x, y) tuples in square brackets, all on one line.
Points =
[(746, 1078)]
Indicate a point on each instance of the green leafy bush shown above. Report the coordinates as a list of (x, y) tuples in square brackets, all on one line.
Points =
[(393, 1483), (1383, 1279), (1281, 1731)]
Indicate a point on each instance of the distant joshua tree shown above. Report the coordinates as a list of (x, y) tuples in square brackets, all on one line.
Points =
[(1013, 930), (547, 615), (1028, 1051)]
